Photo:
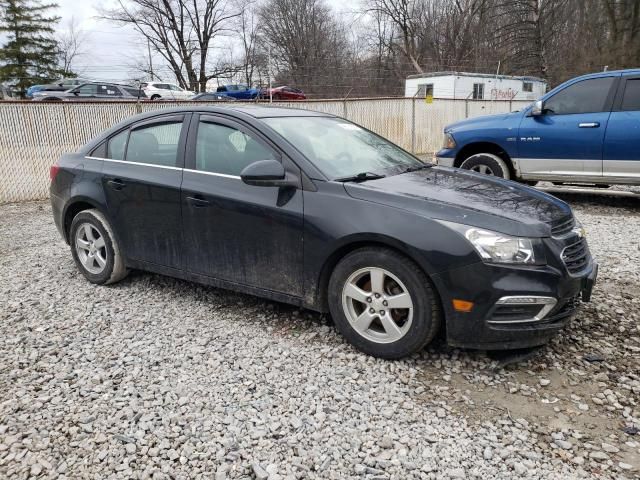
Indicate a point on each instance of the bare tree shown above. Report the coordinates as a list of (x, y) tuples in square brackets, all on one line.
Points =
[(182, 32), (307, 44), (253, 56), (71, 45)]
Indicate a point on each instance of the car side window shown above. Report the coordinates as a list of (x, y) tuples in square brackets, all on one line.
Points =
[(109, 90), (225, 150), (156, 144), (88, 89), (587, 96), (631, 97), (116, 145)]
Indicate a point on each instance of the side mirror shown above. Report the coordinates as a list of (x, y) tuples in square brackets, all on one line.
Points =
[(268, 173), (537, 109)]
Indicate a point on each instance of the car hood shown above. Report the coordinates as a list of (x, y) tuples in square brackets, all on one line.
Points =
[(481, 121), (468, 198)]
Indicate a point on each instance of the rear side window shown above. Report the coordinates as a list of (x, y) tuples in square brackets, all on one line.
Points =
[(631, 98), (155, 144), (116, 145), (225, 150), (587, 96)]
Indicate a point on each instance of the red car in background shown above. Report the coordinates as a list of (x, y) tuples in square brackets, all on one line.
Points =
[(284, 93)]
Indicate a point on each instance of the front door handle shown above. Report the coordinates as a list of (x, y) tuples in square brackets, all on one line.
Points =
[(116, 183), (589, 125), (198, 201)]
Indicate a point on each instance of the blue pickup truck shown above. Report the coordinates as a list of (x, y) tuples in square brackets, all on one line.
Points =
[(586, 130)]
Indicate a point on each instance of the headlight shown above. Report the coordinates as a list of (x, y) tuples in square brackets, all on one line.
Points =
[(499, 248), (449, 142)]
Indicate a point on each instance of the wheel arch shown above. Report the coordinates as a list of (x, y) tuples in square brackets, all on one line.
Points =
[(485, 147), (351, 244), (76, 205)]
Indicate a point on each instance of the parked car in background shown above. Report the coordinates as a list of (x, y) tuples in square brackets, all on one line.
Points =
[(585, 131), (396, 250), (7, 93), (166, 91), (240, 92), (283, 93), (92, 92), (212, 97), (58, 86)]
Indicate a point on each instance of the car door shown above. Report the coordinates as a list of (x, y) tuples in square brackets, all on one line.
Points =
[(84, 92), (141, 179), (108, 92), (622, 141), (233, 231), (567, 139)]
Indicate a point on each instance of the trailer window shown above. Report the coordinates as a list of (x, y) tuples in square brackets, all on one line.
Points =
[(478, 91), (527, 86)]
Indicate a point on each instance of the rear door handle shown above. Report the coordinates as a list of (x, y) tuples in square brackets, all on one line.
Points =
[(116, 183), (198, 201), (589, 125)]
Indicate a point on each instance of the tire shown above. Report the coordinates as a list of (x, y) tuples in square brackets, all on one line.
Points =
[(101, 262), (414, 327), (155, 97), (487, 163)]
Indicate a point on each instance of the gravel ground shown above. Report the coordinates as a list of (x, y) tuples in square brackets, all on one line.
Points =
[(160, 378)]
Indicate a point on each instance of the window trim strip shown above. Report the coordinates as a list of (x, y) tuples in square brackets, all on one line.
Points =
[(223, 175), (128, 162)]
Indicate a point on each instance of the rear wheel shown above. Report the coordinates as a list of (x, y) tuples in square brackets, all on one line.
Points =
[(155, 97), (95, 249), (488, 164), (383, 303)]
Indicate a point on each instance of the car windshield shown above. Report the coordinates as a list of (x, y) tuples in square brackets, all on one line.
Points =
[(339, 148)]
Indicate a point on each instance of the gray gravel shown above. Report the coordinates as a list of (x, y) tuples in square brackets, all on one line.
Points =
[(160, 378)]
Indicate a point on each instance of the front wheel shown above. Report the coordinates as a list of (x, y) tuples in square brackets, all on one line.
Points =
[(488, 164), (383, 303)]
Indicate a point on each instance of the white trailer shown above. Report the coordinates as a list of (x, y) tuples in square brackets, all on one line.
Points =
[(474, 86)]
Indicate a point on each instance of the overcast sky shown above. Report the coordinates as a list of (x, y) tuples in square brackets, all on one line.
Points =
[(111, 51)]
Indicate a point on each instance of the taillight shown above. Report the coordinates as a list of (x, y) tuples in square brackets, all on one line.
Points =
[(53, 171)]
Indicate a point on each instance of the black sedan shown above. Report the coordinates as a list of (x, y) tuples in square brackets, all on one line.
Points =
[(313, 210)]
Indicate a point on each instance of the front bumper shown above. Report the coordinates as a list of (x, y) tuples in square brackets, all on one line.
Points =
[(485, 285), (445, 161)]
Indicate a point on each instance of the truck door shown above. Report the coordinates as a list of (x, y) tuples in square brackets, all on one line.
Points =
[(566, 141), (622, 141)]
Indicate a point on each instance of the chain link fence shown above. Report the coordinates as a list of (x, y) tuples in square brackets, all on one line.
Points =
[(34, 135)]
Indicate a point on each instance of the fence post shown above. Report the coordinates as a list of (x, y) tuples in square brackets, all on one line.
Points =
[(413, 125), (344, 108), (466, 108)]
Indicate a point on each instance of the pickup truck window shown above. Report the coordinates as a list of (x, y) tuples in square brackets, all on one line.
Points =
[(631, 98), (587, 96)]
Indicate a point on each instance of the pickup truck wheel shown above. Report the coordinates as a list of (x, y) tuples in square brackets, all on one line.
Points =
[(383, 303), (487, 163)]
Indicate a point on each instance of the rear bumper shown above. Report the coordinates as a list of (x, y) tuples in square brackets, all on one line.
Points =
[(485, 285)]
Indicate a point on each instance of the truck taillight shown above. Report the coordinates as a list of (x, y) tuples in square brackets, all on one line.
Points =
[(53, 171)]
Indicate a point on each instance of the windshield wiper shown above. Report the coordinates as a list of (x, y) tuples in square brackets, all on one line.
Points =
[(360, 177)]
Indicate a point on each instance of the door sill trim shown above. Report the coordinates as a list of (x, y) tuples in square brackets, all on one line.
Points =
[(215, 282)]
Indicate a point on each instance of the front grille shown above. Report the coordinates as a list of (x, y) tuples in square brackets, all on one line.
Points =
[(563, 227), (576, 256)]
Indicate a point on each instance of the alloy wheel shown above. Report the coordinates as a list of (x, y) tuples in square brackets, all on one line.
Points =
[(377, 305), (91, 248), (482, 169)]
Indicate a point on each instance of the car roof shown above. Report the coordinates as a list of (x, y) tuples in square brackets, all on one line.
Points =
[(256, 111), (240, 112)]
